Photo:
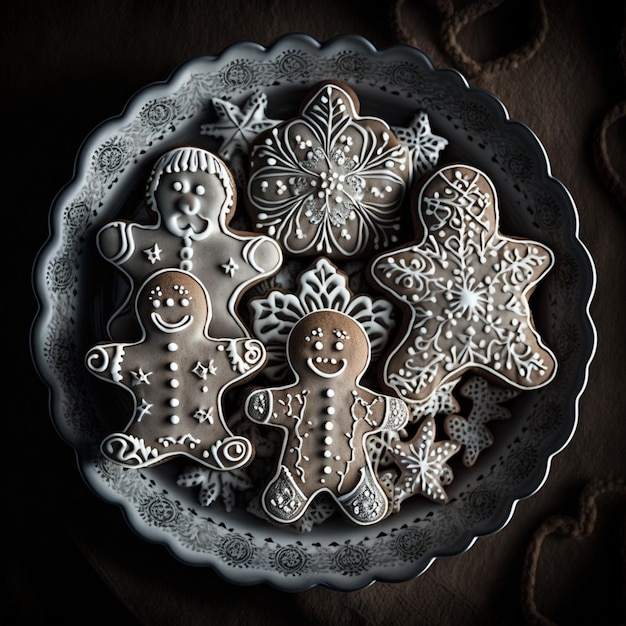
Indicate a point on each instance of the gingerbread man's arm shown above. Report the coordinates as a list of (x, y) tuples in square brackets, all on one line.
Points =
[(258, 406), (277, 407), (263, 254), (115, 242), (246, 356), (105, 361), (396, 414)]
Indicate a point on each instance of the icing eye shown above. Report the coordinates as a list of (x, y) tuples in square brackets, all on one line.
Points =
[(318, 345), (156, 304), (184, 302), (200, 190), (169, 302), (339, 346), (177, 186)]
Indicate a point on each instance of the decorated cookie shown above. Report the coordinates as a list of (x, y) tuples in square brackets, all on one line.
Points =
[(329, 182), (237, 127), (325, 416), (464, 288), (193, 196), (472, 431), (423, 465), (177, 376), (423, 145)]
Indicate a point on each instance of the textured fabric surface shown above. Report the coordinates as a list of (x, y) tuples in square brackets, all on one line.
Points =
[(68, 66)]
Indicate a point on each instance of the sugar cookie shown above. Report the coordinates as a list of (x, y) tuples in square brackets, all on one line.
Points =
[(193, 196), (328, 182), (177, 376), (464, 288), (325, 416)]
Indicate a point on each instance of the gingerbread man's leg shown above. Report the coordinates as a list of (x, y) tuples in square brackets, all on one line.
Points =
[(229, 453), (366, 503), (283, 500)]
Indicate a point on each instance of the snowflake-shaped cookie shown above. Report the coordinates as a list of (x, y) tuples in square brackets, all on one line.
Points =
[(214, 485), (237, 127), (423, 466), (424, 146), (321, 286), (471, 431), (465, 290), (329, 182)]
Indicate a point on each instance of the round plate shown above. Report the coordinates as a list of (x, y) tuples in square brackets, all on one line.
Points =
[(394, 84)]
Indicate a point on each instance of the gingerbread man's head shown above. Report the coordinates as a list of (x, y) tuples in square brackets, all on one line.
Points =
[(327, 344), (171, 302), (192, 191)]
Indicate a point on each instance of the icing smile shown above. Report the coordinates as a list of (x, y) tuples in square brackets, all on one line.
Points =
[(325, 367), (171, 327)]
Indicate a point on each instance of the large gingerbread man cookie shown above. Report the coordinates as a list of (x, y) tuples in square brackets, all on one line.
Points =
[(465, 291), (325, 416), (178, 376), (193, 196), (329, 181)]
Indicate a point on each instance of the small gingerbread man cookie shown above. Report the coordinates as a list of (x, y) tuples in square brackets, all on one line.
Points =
[(329, 182), (177, 375), (193, 196), (464, 288), (325, 416)]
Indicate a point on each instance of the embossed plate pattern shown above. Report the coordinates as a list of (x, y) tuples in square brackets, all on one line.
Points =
[(394, 84)]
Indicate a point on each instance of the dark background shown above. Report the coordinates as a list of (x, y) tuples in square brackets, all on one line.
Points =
[(69, 65)]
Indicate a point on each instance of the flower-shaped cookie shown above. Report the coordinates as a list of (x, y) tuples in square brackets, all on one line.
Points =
[(177, 376), (326, 415), (464, 288), (329, 182)]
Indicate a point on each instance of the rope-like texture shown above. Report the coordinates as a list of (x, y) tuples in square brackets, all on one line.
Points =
[(455, 19), (564, 526), (614, 180)]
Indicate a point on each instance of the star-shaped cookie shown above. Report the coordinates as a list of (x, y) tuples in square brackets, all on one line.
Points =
[(237, 126), (471, 431), (423, 466), (464, 288)]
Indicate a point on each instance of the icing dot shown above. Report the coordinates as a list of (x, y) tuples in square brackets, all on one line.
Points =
[(330, 393), (172, 347), (174, 383), (173, 367), (319, 345), (328, 426), (174, 419), (327, 469), (174, 402), (327, 454), (330, 410), (327, 440), (169, 302)]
